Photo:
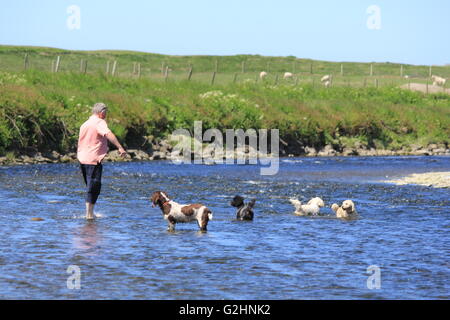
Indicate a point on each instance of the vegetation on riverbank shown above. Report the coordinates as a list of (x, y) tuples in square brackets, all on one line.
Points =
[(42, 111)]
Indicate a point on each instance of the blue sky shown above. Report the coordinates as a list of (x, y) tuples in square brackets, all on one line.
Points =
[(416, 32)]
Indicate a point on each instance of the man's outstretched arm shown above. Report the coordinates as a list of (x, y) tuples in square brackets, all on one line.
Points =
[(112, 138)]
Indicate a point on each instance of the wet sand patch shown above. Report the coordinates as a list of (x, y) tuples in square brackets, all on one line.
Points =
[(431, 179)]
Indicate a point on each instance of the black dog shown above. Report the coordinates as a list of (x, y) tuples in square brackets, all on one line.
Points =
[(244, 211)]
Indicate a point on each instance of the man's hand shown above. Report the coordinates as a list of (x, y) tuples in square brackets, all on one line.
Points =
[(122, 152)]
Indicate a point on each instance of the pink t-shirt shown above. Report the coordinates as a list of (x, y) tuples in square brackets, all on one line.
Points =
[(92, 142)]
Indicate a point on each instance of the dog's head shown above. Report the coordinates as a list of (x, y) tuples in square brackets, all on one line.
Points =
[(237, 201), (317, 201), (348, 206), (296, 203), (158, 198)]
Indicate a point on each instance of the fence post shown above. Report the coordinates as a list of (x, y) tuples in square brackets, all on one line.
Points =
[(25, 62), (235, 78), (243, 66), (276, 79), (139, 70), (371, 69), (213, 78), (342, 69), (107, 67), (376, 83), (166, 73), (190, 74), (427, 85), (311, 68), (401, 71), (113, 71), (58, 59), (429, 72)]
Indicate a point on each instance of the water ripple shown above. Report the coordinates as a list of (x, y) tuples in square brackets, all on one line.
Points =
[(127, 253)]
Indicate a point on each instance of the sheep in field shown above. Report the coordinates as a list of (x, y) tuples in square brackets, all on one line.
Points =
[(325, 78), (262, 75), (438, 81), (288, 75)]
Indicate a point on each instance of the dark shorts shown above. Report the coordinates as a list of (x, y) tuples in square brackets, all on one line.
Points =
[(92, 175)]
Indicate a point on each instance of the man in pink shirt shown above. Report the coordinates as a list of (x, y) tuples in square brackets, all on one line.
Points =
[(92, 148)]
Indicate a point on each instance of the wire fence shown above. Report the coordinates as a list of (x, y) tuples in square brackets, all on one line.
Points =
[(225, 69)]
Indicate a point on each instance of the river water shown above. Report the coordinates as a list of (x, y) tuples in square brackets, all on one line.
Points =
[(127, 252)]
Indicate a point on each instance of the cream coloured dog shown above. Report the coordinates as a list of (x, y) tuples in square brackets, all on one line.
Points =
[(312, 208), (347, 210)]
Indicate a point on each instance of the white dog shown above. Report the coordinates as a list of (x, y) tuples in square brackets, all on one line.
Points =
[(347, 210), (312, 208)]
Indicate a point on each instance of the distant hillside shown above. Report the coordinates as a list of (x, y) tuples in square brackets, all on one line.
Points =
[(12, 58)]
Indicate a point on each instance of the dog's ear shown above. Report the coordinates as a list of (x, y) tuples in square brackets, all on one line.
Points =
[(154, 198), (352, 205)]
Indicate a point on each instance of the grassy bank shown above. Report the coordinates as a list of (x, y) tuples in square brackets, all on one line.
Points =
[(43, 111)]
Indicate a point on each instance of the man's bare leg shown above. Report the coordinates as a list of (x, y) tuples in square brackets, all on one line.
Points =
[(90, 211)]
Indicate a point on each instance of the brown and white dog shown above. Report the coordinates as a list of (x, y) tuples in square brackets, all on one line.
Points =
[(174, 212)]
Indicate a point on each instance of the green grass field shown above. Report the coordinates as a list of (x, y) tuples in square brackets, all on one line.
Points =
[(43, 110), (247, 67)]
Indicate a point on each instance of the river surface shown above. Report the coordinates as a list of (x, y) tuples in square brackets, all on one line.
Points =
[(402, 234)]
